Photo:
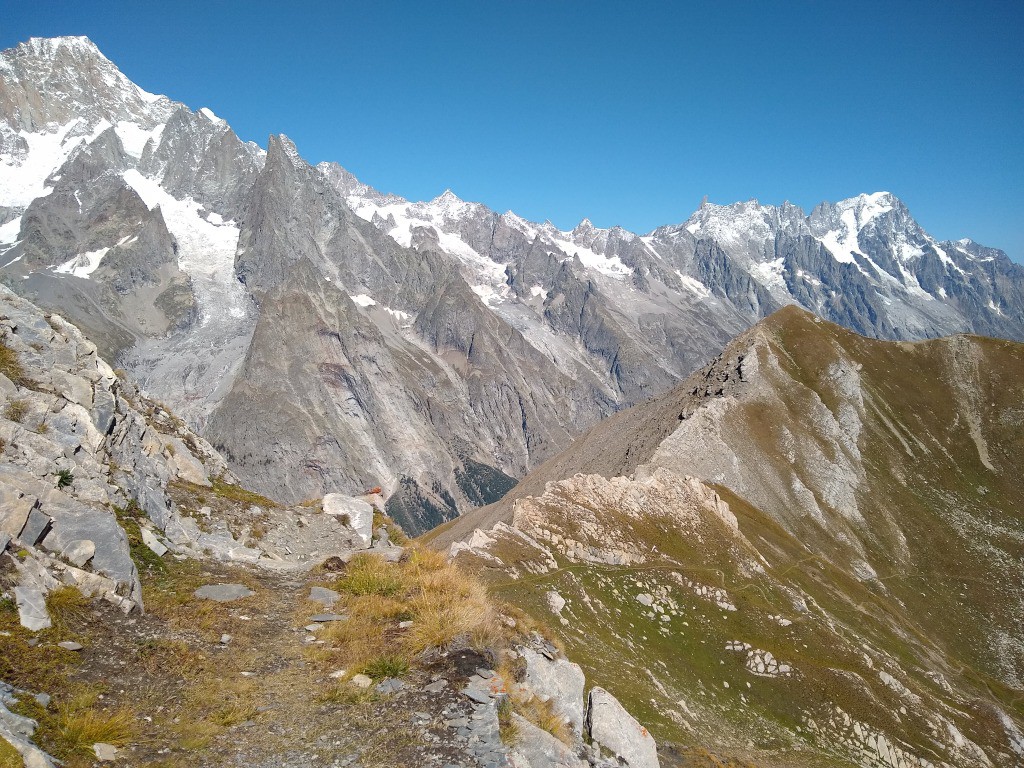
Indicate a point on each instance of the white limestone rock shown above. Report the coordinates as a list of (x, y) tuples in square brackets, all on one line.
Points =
[(614, 729), (358, 512)]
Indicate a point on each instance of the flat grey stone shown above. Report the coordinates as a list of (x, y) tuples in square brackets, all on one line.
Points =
[(105, 753), (31, 602), (478, 695), (223, 593), (390, 685), (150, 540), (35, 528), (5, 539), (436, 687), (324, 596), (69, 645)]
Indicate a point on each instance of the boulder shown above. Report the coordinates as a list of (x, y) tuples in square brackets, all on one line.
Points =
[(560, 680), (72, 388), (75, 522), (359, 514), (361, 681), (183, 463), (103, 411), (613, 728)]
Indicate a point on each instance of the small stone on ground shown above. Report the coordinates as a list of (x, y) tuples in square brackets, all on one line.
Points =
[(223, 593)]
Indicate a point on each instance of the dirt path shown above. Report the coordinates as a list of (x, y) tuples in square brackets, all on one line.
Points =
[(265, 698)]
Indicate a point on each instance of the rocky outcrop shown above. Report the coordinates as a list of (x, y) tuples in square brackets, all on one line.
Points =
[(560, 680), (80, 448)]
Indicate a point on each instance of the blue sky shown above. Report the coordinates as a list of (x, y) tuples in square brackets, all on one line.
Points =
[(624, 114)]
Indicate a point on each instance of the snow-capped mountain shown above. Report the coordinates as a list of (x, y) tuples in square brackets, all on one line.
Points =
[(328, 337)]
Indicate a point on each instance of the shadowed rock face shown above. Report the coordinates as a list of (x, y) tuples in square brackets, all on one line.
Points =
[(818, 530), (505, 337)]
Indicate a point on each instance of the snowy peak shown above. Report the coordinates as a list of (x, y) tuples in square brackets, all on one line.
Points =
[(48, 81), (740, 224), (584, 228), (866, 207), (49, 47), (446, 198)]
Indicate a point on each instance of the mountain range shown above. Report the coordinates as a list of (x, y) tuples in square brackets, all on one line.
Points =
[(324, 336)]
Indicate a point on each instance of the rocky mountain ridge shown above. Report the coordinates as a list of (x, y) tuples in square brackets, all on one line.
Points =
[(810, 549), (438, 350)]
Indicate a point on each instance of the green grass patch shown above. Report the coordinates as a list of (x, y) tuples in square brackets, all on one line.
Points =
[(240, 494), (386, 666), (371, 575)]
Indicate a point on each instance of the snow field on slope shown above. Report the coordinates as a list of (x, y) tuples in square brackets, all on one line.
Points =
[(24, 178), (206, 250)]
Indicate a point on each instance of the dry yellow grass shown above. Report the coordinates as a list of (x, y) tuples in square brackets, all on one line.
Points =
[(443, 603), (76, 730), (9, 757), (10, 365), (68, 608), (371, 575), (543, 715)]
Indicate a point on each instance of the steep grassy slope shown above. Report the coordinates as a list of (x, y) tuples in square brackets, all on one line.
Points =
[(877, 550)]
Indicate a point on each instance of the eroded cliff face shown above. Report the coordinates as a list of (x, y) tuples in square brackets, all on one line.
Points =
[(814, 539)]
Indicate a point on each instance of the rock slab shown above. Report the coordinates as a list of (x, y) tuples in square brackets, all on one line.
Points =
[(223, 593), (560, 680), (614, 729)]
